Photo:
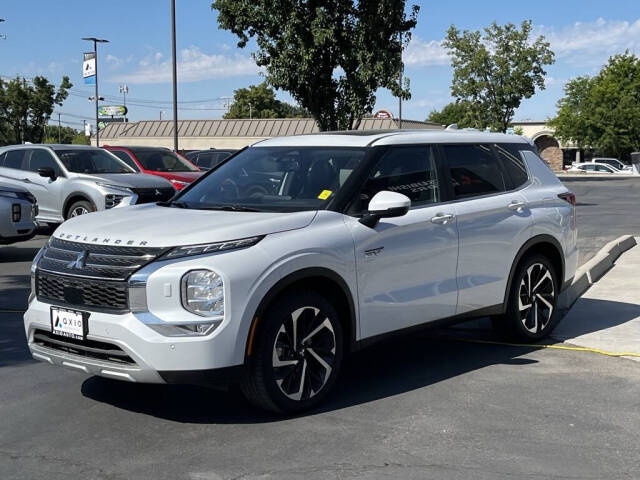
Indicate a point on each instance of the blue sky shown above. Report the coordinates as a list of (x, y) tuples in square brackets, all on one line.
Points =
[(43, 37)]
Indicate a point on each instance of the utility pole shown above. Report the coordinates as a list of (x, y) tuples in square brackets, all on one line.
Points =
[(59, 129), (400, 85), (95, 52), (124, 89), (250, 111), (175, 75), (160, 115)]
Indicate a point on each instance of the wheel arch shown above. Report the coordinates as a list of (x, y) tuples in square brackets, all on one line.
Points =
[(75, 197), (325, 281), (542, 244)]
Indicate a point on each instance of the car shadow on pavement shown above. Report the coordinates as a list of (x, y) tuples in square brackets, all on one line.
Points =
[(14, 254), (14, 292), (384, 370), (13, 343), (591, 315)]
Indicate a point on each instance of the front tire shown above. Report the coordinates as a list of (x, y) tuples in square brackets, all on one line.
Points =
[(531, 309), (297, 356), (81, 207)]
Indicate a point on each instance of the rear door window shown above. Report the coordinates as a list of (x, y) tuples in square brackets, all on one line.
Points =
[(474, 170)]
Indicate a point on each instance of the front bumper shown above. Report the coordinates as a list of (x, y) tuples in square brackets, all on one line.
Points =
[(156, 358)]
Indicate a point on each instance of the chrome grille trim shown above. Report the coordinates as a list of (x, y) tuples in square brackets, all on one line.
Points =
[(110, 262)]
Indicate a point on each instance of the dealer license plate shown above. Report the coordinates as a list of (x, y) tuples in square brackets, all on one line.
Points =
[(69, 323)]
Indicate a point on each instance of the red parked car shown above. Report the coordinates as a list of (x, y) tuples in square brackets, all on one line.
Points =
[(158, 161)]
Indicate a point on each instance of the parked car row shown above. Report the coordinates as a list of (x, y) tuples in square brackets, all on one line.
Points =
[(299, 250), (599, 168)]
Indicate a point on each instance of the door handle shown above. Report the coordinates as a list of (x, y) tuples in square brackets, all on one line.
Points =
[(443, 218), (517, 206)]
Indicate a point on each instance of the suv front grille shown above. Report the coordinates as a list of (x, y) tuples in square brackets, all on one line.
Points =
[(85, 348), (148, 195), (95, 261), (83, 292)]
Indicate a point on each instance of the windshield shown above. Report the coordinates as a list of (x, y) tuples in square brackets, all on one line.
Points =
[(163, 161), (276, 179), (92, 161)]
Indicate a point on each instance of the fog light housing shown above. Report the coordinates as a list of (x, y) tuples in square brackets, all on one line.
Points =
[(203, 293)]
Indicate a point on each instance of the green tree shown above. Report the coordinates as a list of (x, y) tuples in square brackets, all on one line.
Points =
[(603, 112), (81, 139), (26, 106), (259, 101), (496, 70), (331, 56), (66, 134), (459, 112)]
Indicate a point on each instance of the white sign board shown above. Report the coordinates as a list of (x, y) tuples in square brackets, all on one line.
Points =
[(89, 65), (87, 129)]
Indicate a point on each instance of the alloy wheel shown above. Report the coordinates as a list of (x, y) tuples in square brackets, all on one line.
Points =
[(76, 212), (304, 353), (536, 298)]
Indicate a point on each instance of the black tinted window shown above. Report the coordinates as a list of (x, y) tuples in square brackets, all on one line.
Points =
[(207, 160), (513, 163), (38, 158), (13, 159), (126, 158), (407, 170), (474, 170)]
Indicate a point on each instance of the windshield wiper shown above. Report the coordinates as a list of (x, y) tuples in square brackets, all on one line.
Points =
[(230, 207)]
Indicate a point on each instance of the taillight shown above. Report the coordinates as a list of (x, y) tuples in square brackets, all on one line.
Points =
[(568, 197)]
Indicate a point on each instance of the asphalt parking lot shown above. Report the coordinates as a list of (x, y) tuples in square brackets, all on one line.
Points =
[(414, 407)]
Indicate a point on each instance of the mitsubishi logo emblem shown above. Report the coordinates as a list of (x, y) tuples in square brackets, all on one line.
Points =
[(158, 192), (79, 262)]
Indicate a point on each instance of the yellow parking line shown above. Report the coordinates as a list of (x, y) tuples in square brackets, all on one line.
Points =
[(536, 345)]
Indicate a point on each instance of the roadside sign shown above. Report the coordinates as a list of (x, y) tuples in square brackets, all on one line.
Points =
[(113, 110), (382, 114), (87, 129), (89, 68)]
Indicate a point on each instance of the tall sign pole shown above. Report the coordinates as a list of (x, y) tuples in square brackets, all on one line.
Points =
[(175, 75), (95, 59)]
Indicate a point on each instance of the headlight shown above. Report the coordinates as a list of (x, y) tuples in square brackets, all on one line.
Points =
[(114, 187), (190, 250), (203, 293)]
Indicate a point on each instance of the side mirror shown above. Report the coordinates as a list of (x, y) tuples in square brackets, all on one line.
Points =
[(385, 204), (47, 172)]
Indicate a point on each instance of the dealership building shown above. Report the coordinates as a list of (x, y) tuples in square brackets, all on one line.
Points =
[(228, 133)]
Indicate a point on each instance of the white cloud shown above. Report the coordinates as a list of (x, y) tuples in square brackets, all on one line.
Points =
[(592, 43), (425, 53), (193, 65)]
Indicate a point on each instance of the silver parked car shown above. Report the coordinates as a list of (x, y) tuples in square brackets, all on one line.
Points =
[(71, 180), (18, 210)]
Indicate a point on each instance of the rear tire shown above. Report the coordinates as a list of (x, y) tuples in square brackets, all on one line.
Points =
[(531, 306), (297, 356), (81, 207)]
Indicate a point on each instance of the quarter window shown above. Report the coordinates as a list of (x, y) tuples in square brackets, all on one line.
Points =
[(407, 170), (513, 164), (474, 170)]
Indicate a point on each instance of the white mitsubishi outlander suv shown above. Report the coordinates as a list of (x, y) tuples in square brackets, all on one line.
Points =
[(294, 252)]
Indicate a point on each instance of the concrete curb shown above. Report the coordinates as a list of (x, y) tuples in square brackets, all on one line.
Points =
[(594, 269)]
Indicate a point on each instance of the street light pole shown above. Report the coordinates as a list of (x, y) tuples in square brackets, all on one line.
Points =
[(175, 75), (59, 128), (95, 52)]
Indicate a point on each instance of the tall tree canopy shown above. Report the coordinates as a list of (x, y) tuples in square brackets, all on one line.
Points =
[(330, 55), (259, 101), (496, 70), (26, 106), (603, 112), (459, 112)]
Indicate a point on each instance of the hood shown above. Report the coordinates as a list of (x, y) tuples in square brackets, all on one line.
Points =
[(5, 187), (181, 176), (132, 180), (154, 226)]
